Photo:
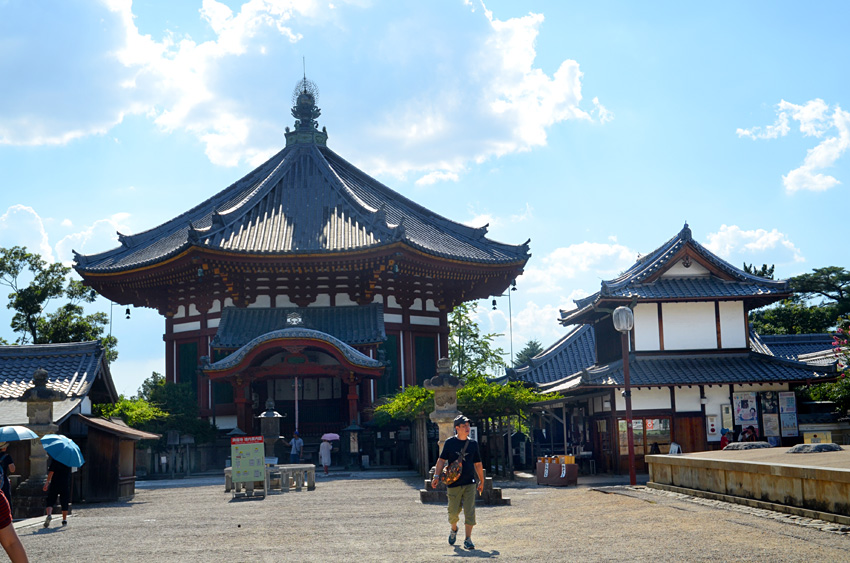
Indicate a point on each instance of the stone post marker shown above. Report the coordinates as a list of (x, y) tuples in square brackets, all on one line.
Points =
[(29, 497)]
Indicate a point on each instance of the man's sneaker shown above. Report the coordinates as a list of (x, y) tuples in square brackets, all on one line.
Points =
[(452, 537), (64, 522), (47, 520), (467, 544)]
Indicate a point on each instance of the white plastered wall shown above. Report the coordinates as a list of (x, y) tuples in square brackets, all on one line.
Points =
[(644, 398), (646, 327), (732, 324), (689, 326), (687, 399)]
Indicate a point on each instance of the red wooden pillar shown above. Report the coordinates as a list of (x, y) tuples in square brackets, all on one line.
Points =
[(352, 399), (242, 398)]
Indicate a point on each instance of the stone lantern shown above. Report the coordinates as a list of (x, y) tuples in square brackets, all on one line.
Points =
[(445, 388), (270, 427), (29, 496)]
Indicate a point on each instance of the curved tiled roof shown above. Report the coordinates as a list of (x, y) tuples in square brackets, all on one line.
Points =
[(305, 200), (792, 346), (71, 368), (353, 325), (572, 353), (633, 284), (355, 357), (703, 369)]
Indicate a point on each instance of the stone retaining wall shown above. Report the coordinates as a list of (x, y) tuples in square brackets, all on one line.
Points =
[(813, 488)]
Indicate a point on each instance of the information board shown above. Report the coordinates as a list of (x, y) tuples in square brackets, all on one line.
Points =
[(247, 459)]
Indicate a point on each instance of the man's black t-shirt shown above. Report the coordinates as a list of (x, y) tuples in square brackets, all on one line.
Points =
[(451, 451)]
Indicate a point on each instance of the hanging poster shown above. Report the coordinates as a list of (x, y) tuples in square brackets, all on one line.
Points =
[(788, 414), (771, 424), (247, 459), (746, 410), (726, 415), (787, 402), (769, 402), (788, 422)]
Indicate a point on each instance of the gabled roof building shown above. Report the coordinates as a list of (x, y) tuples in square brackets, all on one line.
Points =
[(692, 357), (306, 229)]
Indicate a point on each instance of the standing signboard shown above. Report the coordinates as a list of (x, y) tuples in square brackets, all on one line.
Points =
[(788, 414), (247, 459)]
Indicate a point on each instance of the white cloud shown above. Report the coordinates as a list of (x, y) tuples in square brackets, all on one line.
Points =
[(482, 219), (437, 176), (732, 241), (100, 235), (526, 215), (604, 114), (815, 120), (22, 226), (568, 263), (466, 92)]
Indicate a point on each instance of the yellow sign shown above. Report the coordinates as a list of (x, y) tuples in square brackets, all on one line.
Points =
[(817, 437), (247, 459)]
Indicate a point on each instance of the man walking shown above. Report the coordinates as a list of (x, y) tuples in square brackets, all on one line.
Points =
[(297, 448), (462, 492)]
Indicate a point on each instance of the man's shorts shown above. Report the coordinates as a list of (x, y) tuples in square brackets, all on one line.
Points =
[(462, 497)]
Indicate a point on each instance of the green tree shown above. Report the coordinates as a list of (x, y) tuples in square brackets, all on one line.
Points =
[(793, 318), (763, 272), (48, 283), (159, 407), (471, 352), (799, 315), (532, 348)]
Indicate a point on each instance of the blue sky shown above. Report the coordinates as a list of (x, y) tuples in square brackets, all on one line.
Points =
[(595, 129)]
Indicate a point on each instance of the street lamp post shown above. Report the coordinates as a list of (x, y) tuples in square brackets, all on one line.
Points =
[(624, 320)]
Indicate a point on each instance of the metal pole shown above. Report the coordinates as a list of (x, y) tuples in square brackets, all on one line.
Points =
[(628, 395), (511, 326), (296, 404)]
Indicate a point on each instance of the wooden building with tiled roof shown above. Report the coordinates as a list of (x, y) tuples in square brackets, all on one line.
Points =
[(306, 229), (691, 353)]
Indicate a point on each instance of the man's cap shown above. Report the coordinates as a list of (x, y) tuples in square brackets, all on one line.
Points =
[(460, 419), (295, 433), (724, 431)]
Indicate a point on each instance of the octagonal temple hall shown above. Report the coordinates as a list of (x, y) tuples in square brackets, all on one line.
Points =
[(306, 282)]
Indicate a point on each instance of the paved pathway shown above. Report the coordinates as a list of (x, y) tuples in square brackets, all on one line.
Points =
[(378, 517)]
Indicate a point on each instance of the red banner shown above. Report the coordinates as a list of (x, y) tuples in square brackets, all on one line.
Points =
[(239, 440)]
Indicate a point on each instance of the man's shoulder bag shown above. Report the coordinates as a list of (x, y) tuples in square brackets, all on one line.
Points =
[(452, 471)]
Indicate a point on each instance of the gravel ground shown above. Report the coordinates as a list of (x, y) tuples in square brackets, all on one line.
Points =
[(370, 517)]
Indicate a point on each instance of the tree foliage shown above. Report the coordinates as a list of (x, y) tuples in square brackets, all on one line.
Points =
[(472, 355), (471, 352), (159, 407), (837, 391), (531, 349), (763, 272), (793, 318), (829, 286), (31, 301)]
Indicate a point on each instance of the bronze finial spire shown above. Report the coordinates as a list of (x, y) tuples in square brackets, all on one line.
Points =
[(304, 110)]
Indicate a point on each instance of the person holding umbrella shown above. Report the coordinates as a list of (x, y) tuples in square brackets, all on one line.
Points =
[(64, 454), (325, 450), (7, 466)]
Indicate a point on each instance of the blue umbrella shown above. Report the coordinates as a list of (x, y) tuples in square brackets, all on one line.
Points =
[(62, 449), (16, 433)]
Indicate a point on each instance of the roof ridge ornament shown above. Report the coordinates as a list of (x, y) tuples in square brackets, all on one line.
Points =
[(686, 232), (305, 111)]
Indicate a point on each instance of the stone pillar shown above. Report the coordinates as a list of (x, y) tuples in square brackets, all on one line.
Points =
[(29, 496)]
